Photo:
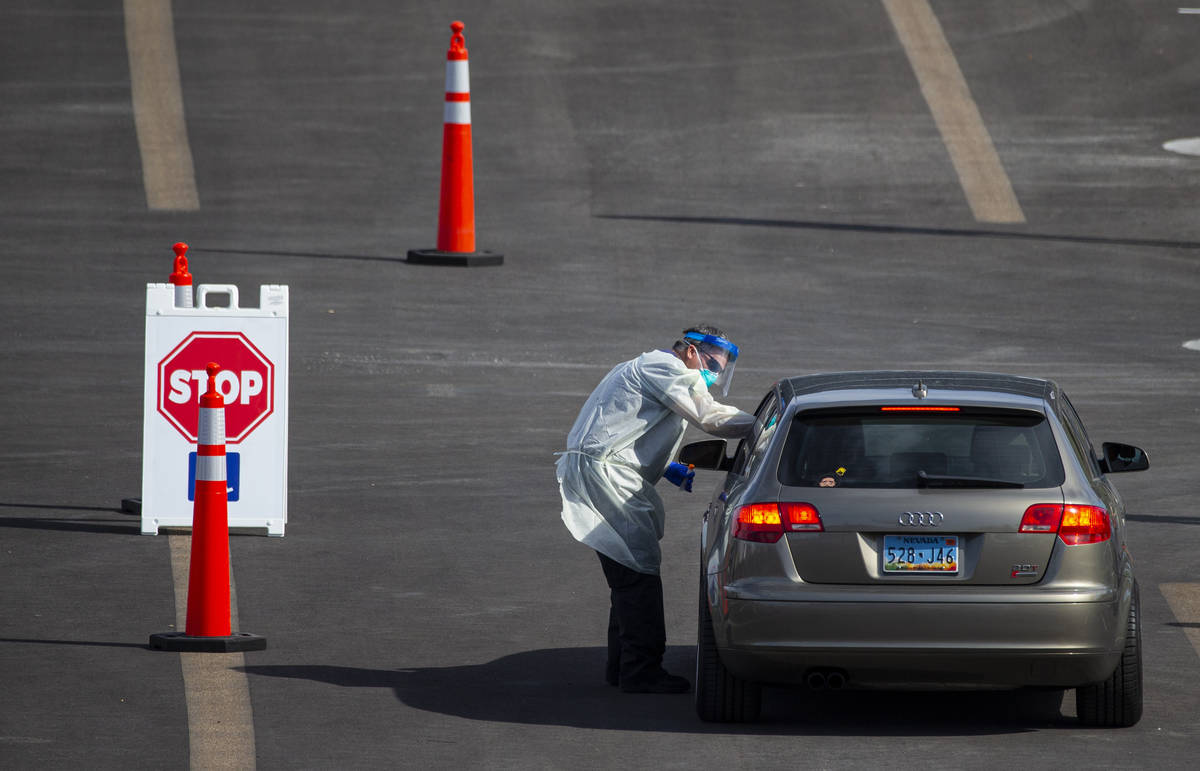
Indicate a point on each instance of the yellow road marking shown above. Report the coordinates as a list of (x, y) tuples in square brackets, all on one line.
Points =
[(1184, 600), (988, 190), (167, 171), (220, 719)]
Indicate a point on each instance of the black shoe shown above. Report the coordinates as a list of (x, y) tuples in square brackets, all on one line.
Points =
[(663, 684)]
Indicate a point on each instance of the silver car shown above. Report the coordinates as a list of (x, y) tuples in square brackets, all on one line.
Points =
[(916, 529)]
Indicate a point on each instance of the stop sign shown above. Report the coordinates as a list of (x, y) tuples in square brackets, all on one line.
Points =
[(246, 381)]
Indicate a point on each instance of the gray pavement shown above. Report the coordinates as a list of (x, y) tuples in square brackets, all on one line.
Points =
[(769, 166)]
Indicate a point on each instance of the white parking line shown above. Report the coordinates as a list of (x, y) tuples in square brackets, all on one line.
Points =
[(1184, 600), (988, 190), (167, 171), (220, 719), (1189, 146)]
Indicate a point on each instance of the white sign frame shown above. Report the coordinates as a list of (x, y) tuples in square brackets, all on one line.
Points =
[(262, 456)]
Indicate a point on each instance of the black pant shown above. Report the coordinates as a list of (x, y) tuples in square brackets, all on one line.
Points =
[(637, 631)]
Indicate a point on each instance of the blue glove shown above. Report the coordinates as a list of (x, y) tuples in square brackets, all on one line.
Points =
[(680, 475)]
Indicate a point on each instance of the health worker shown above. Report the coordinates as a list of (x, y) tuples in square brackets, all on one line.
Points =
[(620, 446)]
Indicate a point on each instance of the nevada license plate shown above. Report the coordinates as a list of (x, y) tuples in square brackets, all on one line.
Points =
[(920, 554)]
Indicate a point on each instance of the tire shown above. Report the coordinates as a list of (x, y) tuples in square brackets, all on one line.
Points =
[(1117, 701), (720, 696)]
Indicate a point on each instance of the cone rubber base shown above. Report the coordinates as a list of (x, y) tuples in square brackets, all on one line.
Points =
[(180, 641), (463, 259)]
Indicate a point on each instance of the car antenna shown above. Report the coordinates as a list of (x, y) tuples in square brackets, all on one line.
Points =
[(919, 390)]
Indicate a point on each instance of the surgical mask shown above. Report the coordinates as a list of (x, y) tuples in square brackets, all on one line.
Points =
[(710, 377)]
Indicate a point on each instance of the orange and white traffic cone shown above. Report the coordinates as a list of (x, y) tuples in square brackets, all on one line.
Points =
[(208, 625), (456, 213), (181, 278)]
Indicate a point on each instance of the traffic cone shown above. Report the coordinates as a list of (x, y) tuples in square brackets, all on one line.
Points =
[(183, 299), (181, 278), (208, 626), (456, 213)]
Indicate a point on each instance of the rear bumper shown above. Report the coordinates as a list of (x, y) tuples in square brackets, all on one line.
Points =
[(981, 644)]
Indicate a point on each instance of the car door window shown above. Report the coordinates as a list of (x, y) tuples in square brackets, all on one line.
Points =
[(750, 449), (1078, 437), (767, 424)]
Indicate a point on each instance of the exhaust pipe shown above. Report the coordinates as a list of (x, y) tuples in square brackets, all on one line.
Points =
[(820, 679)]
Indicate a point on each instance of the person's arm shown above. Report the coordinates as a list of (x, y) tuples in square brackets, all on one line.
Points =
[(704, 412), (684, 393)]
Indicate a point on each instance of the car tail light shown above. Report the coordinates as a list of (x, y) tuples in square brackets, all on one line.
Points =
[(1084, 524), (1042, 518), (923, 408), (1074, 523), (801, 517), (767, 522)]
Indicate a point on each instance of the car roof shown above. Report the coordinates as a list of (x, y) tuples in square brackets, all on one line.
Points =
[(937, 383)]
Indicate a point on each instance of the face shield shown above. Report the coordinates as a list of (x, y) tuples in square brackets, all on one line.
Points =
[(717, 355)]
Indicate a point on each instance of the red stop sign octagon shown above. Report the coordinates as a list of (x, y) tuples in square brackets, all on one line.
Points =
[(246, 381)]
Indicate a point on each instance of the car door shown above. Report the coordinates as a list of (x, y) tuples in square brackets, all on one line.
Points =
[(746, 458), (1085, 451)]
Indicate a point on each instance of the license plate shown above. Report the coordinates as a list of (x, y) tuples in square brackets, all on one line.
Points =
[(920, 554)]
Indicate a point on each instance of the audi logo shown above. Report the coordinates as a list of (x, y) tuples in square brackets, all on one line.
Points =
[(920, 519)]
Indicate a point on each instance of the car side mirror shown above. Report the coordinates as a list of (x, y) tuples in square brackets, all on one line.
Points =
[(709, 454), (1117, 457)]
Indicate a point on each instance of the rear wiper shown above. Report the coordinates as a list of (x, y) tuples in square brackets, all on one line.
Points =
[(940, 480)]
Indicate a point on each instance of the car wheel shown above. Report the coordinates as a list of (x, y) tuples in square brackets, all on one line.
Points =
[(1117, 701), (720, 696)]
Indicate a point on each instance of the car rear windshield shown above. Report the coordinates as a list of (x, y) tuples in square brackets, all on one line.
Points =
[(899, 449)]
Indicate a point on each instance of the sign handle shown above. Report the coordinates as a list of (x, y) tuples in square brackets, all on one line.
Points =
[(204, 290)]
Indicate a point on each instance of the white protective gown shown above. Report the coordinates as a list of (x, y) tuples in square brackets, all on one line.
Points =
[(627, 432)]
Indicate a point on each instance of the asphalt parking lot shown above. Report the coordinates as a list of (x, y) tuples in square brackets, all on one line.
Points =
[(777, 168)]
